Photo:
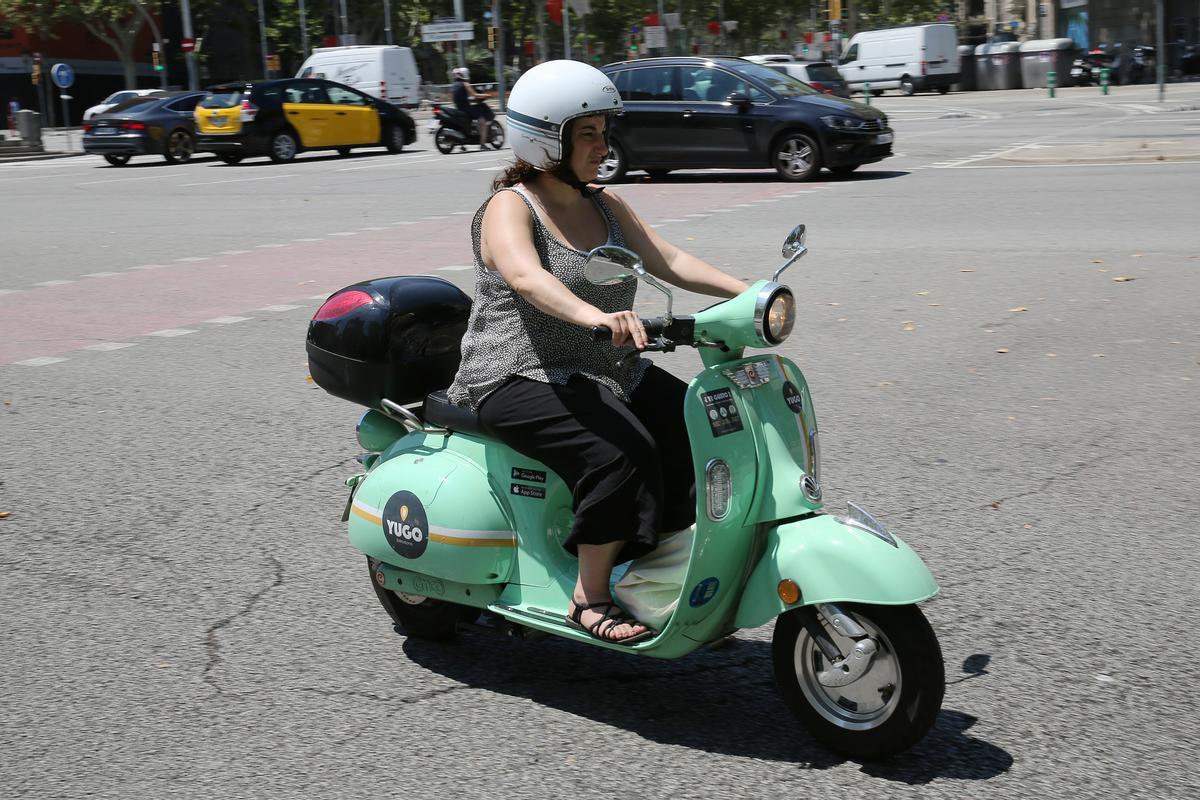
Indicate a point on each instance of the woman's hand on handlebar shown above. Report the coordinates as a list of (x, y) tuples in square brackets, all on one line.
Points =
[(626, 328)]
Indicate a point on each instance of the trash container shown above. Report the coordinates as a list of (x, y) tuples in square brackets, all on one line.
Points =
[(998, 66), (29, 126), (966, 71), (1042, 56)]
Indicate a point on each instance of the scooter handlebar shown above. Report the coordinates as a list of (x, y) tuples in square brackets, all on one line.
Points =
[(654, 327)]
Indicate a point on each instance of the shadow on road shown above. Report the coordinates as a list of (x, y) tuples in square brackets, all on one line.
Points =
[(719, 701), (754, 176)]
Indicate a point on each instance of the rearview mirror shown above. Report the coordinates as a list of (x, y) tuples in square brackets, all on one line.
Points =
[(609, 265), (794, 241)]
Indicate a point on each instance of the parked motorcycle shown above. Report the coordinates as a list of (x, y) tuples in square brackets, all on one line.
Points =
[(1085, 70), (455, 128), (458, 529)]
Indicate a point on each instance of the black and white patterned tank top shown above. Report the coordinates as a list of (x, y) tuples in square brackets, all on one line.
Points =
[(507, 335)]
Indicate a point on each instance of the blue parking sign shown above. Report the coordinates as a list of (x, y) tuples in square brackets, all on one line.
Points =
[(62, 75)]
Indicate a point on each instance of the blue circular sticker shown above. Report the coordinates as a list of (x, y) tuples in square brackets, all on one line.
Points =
[(705, 590)]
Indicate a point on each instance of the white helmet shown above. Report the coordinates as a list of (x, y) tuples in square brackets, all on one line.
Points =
[(461, 72), (545, 98)]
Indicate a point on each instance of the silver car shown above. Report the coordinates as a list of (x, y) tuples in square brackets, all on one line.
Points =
[(821, 75)]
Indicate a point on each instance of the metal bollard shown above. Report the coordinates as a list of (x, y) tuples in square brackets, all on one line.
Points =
[(1051, 81), (867, 93), (1104, 80)]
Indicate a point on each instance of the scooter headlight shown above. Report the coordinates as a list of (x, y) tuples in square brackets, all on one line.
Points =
[(775, 313)]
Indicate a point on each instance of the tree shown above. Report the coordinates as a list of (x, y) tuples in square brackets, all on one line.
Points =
[(117, 23)]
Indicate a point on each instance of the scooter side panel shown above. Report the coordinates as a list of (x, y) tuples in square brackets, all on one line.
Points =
[(832, 562), (433, 512), (789, 426)]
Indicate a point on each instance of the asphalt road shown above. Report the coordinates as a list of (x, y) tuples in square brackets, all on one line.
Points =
[(999, 326)]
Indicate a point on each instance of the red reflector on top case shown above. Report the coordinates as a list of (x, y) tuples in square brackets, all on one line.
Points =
[(341, 304)]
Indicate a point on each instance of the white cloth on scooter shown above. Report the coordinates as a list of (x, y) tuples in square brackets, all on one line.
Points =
[(650, 587)]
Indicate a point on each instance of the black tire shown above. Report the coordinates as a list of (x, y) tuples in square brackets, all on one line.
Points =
[(444, 142), (283, 146), (419, 617), (228, 159), (658, 174), (117, 161), (796, 157), (866, 719), (613, 168), (907, 86), (842, 170), (180, 147), (495, 135), (344, 151), (393, 139), (943, 89)]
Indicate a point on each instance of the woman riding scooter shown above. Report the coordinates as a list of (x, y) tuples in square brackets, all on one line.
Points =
[(605, 420), (471, 103)]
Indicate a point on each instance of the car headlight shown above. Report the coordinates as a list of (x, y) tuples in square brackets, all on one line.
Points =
[(775, 313), (842, 122)]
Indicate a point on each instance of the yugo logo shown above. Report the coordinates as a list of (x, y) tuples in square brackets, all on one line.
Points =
[(405, 525)]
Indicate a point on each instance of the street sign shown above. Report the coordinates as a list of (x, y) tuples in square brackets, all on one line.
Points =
[(187, 45), (655, 36), (448, 32), (62, 75)]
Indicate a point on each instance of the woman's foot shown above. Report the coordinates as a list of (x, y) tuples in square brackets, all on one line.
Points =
[(606, 620)]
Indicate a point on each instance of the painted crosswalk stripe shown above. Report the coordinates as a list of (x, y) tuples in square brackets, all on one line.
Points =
[(106, 346), (168, 332), (278, 308), (100, 274), (225, 320), (53, 283), (39, 362)]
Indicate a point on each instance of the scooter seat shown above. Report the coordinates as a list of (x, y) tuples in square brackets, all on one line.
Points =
[(438, 410)]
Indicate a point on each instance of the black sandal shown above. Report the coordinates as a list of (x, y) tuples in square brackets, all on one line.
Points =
[(613, 615)]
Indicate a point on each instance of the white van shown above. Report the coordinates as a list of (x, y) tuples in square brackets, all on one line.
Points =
[(384, 71), (911, 59)]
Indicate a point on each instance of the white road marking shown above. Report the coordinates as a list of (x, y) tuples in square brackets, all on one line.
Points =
[(39, 362), (488, 169), (269, 246), (308, 239), (233, 252), (100, 274), (191, 258), (431, 219), (169, 332), (225, 320), (320, 296), (146, 266), (10, 291), (373, 228), (479, 161), (460, 213), (278, 308), (106, 346), (53, 283), (1088, 164), (456, 268), (345, 233), (242, 180), (126, 180)]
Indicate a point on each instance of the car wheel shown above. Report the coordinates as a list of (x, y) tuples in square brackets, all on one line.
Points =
[(443, 142), (907, 86), (613, 167), (844, 169), (796, 157), (117, 161), (283, 147), (658, 174), (943, 89), (393, 139), (495, 135), (180, 147), (230, 159), (344, 151)]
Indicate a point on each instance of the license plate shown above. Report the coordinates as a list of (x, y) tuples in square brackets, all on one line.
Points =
[(217, 122), (106, 131), (884, 138)]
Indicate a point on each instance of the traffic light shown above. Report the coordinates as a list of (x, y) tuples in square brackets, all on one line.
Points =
[(491, 37), (156, 58), (845, 11), (35, 74), (835, 10)]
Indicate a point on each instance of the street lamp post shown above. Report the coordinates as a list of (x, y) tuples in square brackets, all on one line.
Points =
[(262, 38), (189, 57), (303, 30), (387, 22), (1160, 57)]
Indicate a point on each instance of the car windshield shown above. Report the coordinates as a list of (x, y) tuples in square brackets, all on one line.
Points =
[(117, 97), (222, 98), (782, 85)]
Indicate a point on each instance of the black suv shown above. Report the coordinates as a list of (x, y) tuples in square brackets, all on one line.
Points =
[(280, 118), (693, 113)]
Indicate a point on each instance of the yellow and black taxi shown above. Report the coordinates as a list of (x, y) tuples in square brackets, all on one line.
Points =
[(281, 118)]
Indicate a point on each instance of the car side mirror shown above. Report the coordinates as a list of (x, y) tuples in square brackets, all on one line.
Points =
[(739, 99)]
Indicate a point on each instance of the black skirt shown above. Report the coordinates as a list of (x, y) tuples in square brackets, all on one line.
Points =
[(629, 466)]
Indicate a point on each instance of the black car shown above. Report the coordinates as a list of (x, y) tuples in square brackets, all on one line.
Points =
[(281, 118), (142, 126), (691, 113)]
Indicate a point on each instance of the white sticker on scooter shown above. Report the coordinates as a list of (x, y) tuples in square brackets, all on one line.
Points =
[(722, 411), (405, 524)]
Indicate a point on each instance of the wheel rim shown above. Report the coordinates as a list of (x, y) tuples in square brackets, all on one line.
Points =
[(181, 146), (862, 705), (397, 138), (796, 157), (497, 138), (284, 147), (610, 165)]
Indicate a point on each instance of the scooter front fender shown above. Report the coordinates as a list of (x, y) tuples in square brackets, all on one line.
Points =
[(832, 562)]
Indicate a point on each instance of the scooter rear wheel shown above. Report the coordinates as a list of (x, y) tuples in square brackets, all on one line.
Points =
[(419, 616), (890, 707)]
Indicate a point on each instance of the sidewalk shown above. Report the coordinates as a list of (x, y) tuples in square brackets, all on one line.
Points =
[(54, 145)]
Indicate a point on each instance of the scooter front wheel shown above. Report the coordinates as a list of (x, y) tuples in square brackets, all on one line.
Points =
[(886, 709), (419, 616), (444, 142)]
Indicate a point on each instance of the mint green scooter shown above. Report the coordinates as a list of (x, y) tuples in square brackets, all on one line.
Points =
[(455, 525)]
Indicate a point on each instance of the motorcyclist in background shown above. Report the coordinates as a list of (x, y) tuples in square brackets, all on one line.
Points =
[(471, 103)]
